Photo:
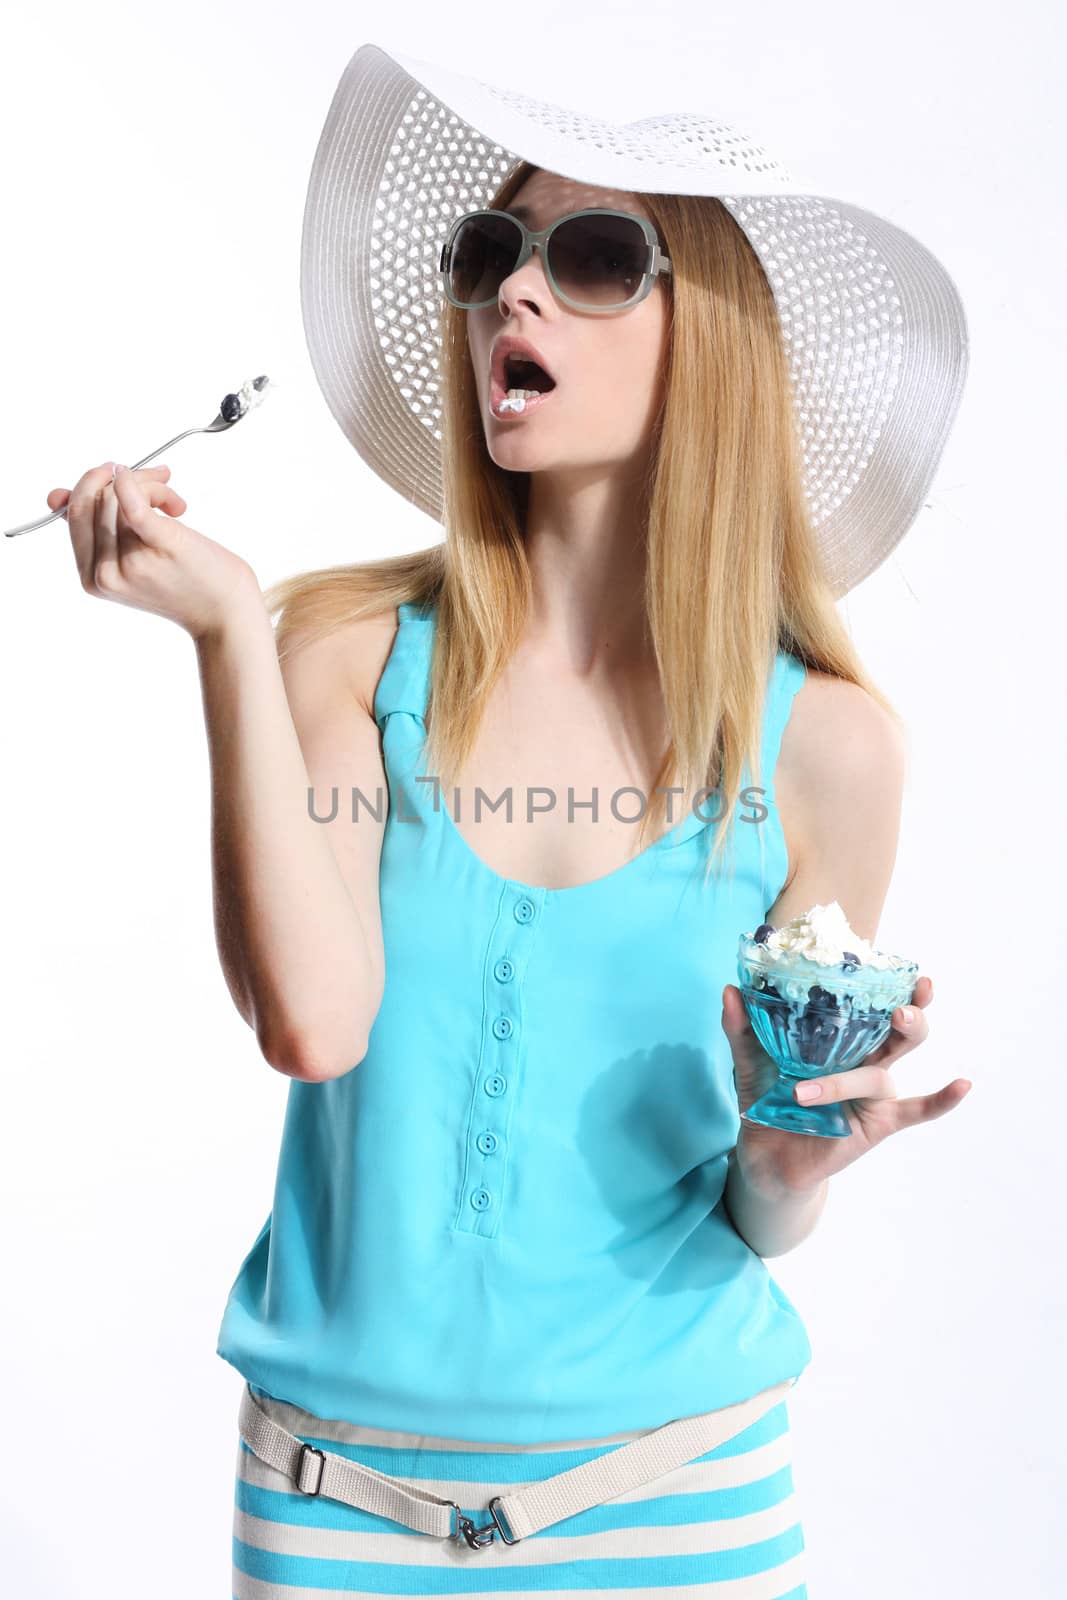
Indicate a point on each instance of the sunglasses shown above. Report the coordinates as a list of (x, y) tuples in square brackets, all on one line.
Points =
[(595, 260)]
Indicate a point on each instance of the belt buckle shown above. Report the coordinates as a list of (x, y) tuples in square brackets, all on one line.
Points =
[(305, 1451), (495, 1501), (478, 1538)]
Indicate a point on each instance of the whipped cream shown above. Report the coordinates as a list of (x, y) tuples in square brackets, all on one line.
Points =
[(251, 393), (823, 935)]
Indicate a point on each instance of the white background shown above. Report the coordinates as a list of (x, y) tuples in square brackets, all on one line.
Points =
[(154, 173)]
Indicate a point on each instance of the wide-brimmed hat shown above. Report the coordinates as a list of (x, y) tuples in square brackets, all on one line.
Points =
[(872, 323)]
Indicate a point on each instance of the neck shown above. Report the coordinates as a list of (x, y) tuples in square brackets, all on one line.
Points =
[(586, 544)]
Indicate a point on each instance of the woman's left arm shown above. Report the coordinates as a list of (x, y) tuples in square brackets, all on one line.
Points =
[(839, 782)]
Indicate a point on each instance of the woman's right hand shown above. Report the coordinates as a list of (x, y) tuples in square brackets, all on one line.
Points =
[(127, 551)]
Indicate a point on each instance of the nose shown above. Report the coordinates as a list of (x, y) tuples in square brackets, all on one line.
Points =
[(537, 284)]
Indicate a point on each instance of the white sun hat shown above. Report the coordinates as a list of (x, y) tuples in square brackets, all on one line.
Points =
[(872, 324)]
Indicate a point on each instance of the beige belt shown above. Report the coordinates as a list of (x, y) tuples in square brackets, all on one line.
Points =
[(513, 1516)]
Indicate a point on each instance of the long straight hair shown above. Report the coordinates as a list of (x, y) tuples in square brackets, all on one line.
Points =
[(733, 571)]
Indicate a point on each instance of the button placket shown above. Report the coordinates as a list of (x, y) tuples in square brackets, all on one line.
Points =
[(501, 1043)]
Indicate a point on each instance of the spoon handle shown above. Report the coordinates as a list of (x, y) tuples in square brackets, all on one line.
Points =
[(42, 522)]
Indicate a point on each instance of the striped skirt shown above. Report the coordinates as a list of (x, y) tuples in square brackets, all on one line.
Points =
[(725, 1526)]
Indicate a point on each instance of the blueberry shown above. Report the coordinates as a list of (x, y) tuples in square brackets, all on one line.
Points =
[(816, 1034), (231, 407), (763, 932), (819, 996), (850, 963)]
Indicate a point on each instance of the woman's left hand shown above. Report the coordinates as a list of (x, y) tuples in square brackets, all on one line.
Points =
[(775, 1159)]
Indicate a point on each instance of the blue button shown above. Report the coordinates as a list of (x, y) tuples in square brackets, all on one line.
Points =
[(481, 1199), (503, 1027), (495, 1084), (504, 970), (524, 911), (487, 1142)]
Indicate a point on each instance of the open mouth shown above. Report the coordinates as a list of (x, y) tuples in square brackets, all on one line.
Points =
[(525, 386)]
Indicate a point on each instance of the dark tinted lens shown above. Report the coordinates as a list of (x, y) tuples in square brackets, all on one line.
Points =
[(484, 253), (598, 261)]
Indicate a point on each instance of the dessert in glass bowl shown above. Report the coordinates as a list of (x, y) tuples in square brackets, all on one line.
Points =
[(819, 999)]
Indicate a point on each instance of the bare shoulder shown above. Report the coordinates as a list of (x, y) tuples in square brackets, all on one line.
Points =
[(839, 785), (348, 661), (835, 728)]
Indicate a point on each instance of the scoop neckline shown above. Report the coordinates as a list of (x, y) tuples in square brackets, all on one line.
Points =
[(685, 827), (666, 839)]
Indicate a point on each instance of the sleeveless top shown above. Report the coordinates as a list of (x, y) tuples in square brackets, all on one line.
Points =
[(506, 1223)]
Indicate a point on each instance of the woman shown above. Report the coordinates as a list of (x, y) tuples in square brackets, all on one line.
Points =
[(518, 1224)]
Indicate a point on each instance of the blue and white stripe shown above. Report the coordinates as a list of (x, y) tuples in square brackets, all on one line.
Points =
[(725, 1526)]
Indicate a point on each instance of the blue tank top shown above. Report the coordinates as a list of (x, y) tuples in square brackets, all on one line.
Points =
[(506, 1223)]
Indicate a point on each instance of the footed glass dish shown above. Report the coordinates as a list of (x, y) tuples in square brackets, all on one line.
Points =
[(813, 1019)]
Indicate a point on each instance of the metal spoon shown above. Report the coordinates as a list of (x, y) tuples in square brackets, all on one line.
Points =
[(232, 409)]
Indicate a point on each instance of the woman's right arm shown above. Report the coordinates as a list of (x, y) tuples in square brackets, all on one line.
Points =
[(297, 911)]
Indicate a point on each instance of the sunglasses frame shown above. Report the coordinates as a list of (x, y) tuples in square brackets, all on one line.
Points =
[(537, 238)]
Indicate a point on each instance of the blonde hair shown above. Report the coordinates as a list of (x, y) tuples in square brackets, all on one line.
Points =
[(733, 571)]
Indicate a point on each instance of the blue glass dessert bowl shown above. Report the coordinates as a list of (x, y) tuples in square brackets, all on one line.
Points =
[(814, 1018)]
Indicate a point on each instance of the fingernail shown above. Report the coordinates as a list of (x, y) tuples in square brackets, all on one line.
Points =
[(907, 1014), (808, 1091)]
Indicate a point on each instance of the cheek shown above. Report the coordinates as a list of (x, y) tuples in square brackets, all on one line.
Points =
[(626, 367), (624, 381)]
